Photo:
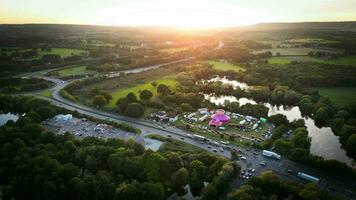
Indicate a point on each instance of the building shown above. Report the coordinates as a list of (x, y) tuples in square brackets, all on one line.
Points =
[(219, 118)]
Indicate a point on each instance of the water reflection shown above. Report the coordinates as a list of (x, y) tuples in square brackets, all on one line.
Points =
[(324, 143), (235, 84), (6, 117)]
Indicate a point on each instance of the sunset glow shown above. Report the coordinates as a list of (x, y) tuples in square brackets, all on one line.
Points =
[(184, 13)]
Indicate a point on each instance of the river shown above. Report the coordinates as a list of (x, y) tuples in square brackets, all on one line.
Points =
[(324, 142)]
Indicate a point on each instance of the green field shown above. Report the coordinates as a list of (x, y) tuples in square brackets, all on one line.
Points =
[(289, 59), (292, 51), (225, 66), (74, 71), (347, 60), (47, 93), (136, 89), (63, 52), (312, 40), (174, 50), (341, 96)]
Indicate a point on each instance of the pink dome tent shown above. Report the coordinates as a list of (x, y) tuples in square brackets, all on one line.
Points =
[(219, 118)]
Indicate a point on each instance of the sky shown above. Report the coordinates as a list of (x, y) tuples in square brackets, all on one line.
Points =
[(174, 13)]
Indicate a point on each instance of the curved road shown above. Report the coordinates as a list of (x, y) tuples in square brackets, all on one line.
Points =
[(343, 186)]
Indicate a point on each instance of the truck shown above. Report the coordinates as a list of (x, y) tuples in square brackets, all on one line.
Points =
[(271, 154), (308, 177), (199, 137)]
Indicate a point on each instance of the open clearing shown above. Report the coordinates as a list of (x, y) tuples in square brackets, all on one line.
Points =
[(293, 51), (63, 52), (347, 60), (289, 59), (341, 96), (174, 50), (225, 66), (136, 89), (75, 71), (46, 93)]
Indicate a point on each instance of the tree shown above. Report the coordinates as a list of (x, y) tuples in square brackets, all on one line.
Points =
[(283, 146), (301, 139), (146, 95), (131, 97), (186, 107), (278, 119), (135, 110), (128, 191), (351, 143), (99, 100), (197, 176), (179, 180), (321, 115), (107, 96), (163, 89)]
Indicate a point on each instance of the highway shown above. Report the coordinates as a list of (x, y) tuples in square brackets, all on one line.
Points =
[(254, 157)]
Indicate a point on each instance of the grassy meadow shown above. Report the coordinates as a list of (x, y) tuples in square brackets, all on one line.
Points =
[(74, 71), (289, 59), (174, 50), (341, 96), (136, 89), (63, 52), (225, 66)]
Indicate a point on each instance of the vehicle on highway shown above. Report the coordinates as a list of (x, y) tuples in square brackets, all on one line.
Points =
[(271, 154), (243, 158), (182, 138), (263, 163), (308, 177), (169, 135), (290, 171), (209, 147), (221, 149), (215, 150)]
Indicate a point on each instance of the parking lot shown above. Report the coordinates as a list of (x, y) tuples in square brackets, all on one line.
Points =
[(61, 124)]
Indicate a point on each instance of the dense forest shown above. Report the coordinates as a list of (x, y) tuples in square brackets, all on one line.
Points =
[(42, 165)]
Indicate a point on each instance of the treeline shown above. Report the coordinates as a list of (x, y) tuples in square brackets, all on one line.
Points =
[(300, 75), (50, 166), (14, 85), (269, 186)]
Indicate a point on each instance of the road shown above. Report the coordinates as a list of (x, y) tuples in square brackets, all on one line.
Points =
[(343, 186)]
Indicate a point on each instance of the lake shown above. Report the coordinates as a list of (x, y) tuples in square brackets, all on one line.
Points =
[(324, 142), (6, 117)]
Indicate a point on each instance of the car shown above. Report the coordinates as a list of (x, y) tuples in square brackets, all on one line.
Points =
[(332, 188), (221, 149), (263, 163), (215, 150), (182, 138), (201, 142), (255, 153), (253, 170), (209, 147), (169, 135), (290, 171), (243, 158)]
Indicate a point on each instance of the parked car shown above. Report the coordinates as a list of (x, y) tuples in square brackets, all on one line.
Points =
[(263, 163), (243, 158)]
